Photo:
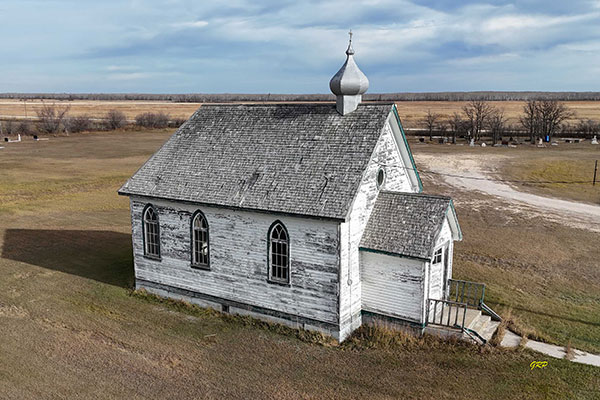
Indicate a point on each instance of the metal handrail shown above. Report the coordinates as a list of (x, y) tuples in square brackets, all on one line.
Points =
[(449, 320), (472, 334), (470, 293), (492, 313), (445, 317)]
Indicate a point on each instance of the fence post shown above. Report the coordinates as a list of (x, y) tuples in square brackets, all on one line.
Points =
[(595, 170)]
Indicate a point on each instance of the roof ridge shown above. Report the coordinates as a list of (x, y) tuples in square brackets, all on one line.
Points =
[(435, 196), (308, 103)]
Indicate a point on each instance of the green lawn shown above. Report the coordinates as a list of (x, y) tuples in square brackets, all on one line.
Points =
[(70, 326)]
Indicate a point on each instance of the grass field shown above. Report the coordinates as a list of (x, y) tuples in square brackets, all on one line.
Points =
[(71, 327), (565, 171), (554, 175), (411, 112)]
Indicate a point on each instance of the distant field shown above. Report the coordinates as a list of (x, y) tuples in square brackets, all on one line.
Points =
[(97, 109), (411, 112)]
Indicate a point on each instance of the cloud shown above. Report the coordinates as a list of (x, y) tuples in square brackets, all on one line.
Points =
[(295, 46), (122, 68), (129, 76), (190, 24)]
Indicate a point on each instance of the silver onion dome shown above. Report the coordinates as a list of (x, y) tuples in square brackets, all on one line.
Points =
[(349, 80)]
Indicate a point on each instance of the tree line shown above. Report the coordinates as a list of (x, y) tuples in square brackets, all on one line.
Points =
[(539, 119)]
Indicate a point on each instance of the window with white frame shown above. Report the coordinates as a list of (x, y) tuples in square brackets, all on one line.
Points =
[(151, 232), (437, 256), (200, 254), (279, 254)]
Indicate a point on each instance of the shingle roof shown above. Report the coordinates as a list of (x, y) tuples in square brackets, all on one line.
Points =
[(293, 158), (405, 223)]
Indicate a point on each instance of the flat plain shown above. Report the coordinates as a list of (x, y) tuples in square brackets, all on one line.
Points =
[(72, 328), (412, 112)]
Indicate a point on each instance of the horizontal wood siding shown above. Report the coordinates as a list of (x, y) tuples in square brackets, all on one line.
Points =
[(392, 285), (238, 258), (387, 156)]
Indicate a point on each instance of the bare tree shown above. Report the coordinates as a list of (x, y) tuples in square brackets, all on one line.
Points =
[(457, 125), (477, 113), (115, 119), (588, 128), (431, 122), (552, 114), (544, 117), (51, 117), (530, 119), (496, 124)]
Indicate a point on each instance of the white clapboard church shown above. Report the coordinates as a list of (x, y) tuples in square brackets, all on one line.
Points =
[(309, 215)]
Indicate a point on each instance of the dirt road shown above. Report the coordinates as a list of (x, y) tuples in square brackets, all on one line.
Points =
[(476, 173)]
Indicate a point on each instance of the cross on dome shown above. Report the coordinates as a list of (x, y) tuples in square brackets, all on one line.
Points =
[(349, 83)]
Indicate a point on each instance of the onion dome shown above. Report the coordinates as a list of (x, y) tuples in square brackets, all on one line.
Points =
[(349, 80)]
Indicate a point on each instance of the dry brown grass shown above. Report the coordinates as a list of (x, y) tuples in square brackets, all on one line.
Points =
[(569, 352), (70, 327), (99, 109), (546, 272), (411, 112), (566, 171)]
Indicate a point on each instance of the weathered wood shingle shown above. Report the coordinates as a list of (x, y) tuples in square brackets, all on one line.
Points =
[(293, 158), (406, 224)]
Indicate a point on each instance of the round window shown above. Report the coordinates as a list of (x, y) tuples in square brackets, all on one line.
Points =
[(380, 177)]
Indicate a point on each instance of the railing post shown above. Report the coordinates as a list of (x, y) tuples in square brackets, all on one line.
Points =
[(456, 299), (469, 286), (464, 316), (482, 296), (456, 317)]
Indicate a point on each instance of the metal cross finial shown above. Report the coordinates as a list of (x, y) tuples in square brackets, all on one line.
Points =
[(350, 50)]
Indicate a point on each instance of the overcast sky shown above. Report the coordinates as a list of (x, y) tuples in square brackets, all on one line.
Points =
[(292, 46)]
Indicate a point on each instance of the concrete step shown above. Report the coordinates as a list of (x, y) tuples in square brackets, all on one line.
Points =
[(480, 323), (477, 322), (472, 317), (456, 314), (489, 330)]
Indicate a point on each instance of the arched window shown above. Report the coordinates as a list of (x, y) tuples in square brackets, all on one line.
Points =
[(151, 232), (380, 177), (279, 254), (200, 252)]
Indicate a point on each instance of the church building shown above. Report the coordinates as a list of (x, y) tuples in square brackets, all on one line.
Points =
[(310, 215)]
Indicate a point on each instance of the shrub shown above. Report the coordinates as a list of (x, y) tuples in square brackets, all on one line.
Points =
[(152, 120), (25, 128), (177, 122), (115, 119), (8, 127), (51, 117), (78, 124)]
